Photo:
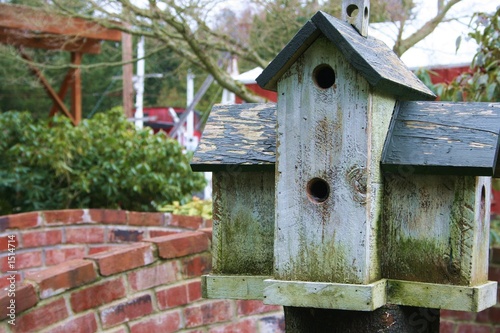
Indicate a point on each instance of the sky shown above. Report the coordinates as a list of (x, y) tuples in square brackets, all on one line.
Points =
[(439, 48)]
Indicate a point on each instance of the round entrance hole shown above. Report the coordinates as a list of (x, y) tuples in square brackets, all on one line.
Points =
[(324, 76), (318, 190), (352, 10)]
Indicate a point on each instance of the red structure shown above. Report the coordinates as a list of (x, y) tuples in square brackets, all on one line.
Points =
[(161, 118)]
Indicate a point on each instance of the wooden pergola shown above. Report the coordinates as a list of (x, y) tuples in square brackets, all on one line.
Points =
[(26, 27)]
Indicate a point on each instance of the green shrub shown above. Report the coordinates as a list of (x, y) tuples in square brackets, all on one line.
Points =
[(102, 163)]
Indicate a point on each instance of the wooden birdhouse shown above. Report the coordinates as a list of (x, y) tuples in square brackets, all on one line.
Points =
[(238, 146), (367, 193)]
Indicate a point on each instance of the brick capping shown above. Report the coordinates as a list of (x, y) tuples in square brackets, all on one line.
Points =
[(149, 285), (143, 278)]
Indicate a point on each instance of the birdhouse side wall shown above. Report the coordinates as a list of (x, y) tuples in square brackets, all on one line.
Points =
[(243, 223), (324, 137), (436, 228)]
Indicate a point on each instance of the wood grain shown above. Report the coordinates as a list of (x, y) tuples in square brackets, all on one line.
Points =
[(238, 138), (444, 138)]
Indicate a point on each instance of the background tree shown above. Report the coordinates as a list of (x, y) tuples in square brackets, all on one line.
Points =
[(202, 36)]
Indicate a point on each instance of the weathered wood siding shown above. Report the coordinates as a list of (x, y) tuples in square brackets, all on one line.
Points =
[(436, 228), (325, 133), (243, 223)]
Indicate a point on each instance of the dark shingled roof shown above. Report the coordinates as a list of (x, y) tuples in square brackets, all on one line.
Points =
[(444, 138), (378, 64), (423, 138), (239, 137)]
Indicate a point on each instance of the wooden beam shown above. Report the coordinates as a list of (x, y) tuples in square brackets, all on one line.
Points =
[(49, 42), (52, 94), (128, 73), (29, 18), (62, 91), (76, 85)]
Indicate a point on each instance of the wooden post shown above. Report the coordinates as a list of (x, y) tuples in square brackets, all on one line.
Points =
[(128, 73), (387, 319), (76, 88)]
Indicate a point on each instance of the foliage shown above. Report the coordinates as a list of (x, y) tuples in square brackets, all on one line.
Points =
[(482, 82), (102, 163), (196, 207), (202, 36)]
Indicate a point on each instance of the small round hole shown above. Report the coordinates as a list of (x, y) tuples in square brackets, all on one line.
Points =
[(324, 76), (318, 190), (352, 10), (482, 207)]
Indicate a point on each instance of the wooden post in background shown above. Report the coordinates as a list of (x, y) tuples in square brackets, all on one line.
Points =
[(128, 72), (76, 84)]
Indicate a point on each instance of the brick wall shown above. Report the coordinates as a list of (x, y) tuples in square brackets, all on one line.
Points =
[(47, 238), (111, 285)]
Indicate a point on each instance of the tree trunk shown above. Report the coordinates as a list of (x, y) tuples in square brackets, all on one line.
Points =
[(387, 319)]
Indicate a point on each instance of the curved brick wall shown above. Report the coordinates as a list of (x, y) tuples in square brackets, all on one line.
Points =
[(130, 272), (120, 272)]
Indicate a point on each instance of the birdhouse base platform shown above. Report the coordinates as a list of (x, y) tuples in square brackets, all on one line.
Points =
[(354, 297), (439, 296), (233, 286)]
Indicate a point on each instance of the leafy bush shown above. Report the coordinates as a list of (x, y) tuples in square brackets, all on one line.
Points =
[(102, 163), (196, 207)]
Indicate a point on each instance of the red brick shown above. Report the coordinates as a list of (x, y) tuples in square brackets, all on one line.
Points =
[(23, 260), (103, 248), (197, 265), (193, 316), (194, 291), (494, 273), (495, 255), (187, 222), (21, 221), (472, 328), (146, 219), (209, 224), (85, 235), (483, 316), (181, 244), (446, 327), (208, 313), (149, 277), (123, 259), (159, 233), (97, 295), (42, 316), (4, 283), (83, 324), (495, 315), (457, 315), (108, 216), (125, 235), (57, 279), (172, 297), (10, 241), (207, 231), (165, 323), (60, 255), (244, 326), (42, 238), (127, 311), (68, 216), (250, 307), (25, 298)]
